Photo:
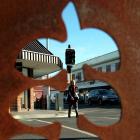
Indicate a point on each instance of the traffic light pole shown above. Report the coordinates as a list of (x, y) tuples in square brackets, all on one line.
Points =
[(69, 60), (68, 78), (69, 74)]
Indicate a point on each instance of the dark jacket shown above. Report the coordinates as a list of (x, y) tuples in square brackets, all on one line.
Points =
[(72, 94)]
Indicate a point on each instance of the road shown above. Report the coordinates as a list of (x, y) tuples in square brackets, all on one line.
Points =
[(99, 115)]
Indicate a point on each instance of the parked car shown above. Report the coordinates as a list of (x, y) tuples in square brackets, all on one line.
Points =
[(81, 99), (102, 96)]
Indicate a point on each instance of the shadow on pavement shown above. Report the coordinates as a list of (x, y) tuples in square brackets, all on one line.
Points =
[(108, 106)]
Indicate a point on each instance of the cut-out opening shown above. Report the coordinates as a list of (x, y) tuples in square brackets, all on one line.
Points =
[(92, 46), (27, 100), (101, 102), (48, 105), (38, 102), (54, 109)]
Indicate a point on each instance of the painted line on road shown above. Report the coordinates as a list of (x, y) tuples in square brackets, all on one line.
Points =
[(70, 128), (99, 111), (112, 118)]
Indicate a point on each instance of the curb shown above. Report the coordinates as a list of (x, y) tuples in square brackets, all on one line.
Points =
[(41, 115)]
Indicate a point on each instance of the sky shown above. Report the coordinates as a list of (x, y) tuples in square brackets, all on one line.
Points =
[(88, 43)]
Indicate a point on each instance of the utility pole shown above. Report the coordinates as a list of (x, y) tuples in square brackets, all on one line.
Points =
[(47, 43), (48, 87)]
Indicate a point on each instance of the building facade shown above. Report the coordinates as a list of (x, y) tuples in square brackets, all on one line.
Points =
[(106, 63), (37, 62)]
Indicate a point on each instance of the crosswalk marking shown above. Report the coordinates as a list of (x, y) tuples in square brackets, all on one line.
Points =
[(70, 128)]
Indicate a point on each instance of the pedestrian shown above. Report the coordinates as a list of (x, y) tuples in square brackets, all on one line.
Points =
[(72, 98)]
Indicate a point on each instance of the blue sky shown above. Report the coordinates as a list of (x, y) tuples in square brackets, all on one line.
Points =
[(88, 43)]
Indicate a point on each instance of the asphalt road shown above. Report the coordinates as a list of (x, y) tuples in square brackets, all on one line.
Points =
[(104, 116)]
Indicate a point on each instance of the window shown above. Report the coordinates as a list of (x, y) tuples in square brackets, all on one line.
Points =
[(73, 76), (78, 76), (92, 82), (108, 68), (99, 69), (117, 66)]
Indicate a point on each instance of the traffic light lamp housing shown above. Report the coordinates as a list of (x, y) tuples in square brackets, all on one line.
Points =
[(70, 56)]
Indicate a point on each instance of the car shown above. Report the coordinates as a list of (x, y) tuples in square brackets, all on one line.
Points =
[(81, 99), (101, 96)]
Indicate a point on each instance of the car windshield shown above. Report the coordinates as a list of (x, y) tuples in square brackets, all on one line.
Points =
[(106, 92)]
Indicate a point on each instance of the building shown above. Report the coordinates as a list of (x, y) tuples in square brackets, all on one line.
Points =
[(35, 61), (106, 63)]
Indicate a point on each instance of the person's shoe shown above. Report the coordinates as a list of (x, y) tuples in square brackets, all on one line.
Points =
[(77, 116), (69, 116)]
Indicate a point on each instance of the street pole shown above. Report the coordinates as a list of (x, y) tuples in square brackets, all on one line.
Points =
[(70, 60), (69, 74), (48, 97), (47, 43)]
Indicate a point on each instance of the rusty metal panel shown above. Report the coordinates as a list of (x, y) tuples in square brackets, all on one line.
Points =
[(23, 21)]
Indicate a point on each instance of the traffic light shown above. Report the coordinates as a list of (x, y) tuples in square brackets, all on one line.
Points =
[(70, 56)]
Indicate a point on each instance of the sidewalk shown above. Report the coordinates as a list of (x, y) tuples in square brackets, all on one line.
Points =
[(42, 114)]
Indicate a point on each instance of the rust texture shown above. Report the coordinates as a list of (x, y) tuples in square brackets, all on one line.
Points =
[(24, 21)]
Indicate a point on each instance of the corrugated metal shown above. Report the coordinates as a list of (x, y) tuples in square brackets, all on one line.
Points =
[(36, 46), (36, 52)]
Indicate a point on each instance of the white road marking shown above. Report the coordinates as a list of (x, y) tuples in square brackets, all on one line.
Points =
[(74, 129), (113, 118), (101, 111)]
